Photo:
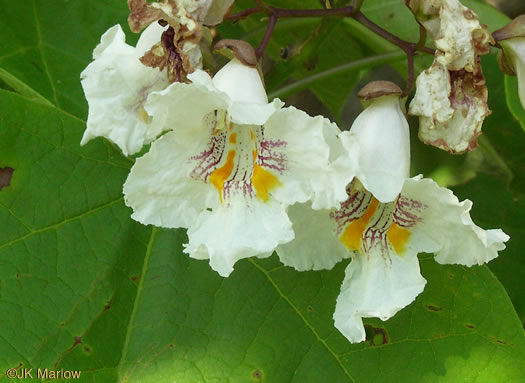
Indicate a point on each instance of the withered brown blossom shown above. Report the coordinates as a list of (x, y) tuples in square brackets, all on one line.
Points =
[(451, 95), (179, 50)]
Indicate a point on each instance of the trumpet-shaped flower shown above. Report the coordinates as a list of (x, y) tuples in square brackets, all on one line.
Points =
[(232, 165), (383, 238), (512, 39), (116, 85)]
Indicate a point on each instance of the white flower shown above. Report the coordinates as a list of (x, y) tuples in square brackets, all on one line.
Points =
[(512, 39), (116, 85), (451, 96), (231, 166), (384, 238)]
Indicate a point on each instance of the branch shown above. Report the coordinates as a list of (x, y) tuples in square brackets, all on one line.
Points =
[(267, 35), (348, 11)]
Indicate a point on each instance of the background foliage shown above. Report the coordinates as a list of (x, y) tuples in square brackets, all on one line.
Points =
[(83, 287)]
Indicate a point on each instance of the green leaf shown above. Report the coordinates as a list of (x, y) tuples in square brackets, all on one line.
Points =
[(47, 43), (497, 206), (513, 99), (84, 287)]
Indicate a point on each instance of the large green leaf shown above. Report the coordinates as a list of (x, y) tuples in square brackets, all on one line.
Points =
[(496, 205), (46, 43), (84, 287)]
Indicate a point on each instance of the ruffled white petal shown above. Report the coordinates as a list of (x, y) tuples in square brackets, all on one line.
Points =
[(159, 188), (116, 86), (309, 145), (237, 230), (315, 246), (113, 40), (375, 287), (445, 227), (379, 144)]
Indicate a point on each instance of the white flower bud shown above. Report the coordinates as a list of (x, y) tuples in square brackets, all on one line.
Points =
[(512, 39), (379, 142)]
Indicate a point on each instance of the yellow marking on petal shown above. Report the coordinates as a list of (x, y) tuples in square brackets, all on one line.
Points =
[(254, 152), (233, 138), (221, 120), (398, 237), (143, 115), (353, 233), (252, 136), (264, 182), (220, 175)]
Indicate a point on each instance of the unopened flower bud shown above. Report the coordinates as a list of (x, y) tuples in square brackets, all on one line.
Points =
[(239, 49), (511, 59), (379, 141)]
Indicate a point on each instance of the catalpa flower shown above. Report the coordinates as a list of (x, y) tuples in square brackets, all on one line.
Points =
[(116, 85), (451, 96), (383, 236), (511, 38), (232, 165)]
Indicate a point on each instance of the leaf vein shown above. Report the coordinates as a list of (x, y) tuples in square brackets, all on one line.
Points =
[(42, 56), (287, 300), (59, 224), (135, 305)]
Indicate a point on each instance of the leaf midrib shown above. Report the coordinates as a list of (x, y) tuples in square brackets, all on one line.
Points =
[(136, 304)]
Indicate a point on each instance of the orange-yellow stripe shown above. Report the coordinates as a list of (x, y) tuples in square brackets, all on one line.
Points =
[(233, 138), (398, 238), (220, 175), (353, 233), (263, 181)]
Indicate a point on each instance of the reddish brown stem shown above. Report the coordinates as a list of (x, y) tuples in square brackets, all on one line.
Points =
[(267, 35), (243, 14), (410, 75), (279, 13)]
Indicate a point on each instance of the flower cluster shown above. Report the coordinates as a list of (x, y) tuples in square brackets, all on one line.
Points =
[(247, 177)]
